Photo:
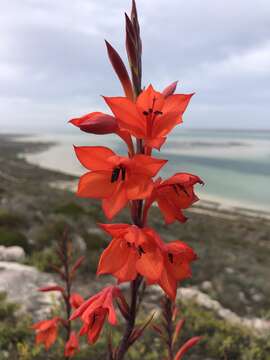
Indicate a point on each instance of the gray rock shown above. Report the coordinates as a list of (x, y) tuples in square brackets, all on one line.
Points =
[(12, 253), (258, 326), (207, 286), (79, 243), (21, 283)]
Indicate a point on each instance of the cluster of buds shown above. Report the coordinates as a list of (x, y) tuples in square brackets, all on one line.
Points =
[(47, 330), (143, 119)]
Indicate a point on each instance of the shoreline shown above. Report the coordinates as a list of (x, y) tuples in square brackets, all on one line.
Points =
[(210, 203)]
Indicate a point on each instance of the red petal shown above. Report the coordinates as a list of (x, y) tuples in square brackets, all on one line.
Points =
[(113, 257), (146, 165), (96, 185), (127, 115), (112, 205), (163, 124), (94, 157), (177, 103), (138, 186), (148, 98)]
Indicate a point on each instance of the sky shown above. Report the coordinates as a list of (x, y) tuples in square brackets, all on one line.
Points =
[(53, 63)]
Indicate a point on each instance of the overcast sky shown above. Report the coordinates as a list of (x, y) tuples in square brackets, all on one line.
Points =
[(53, 63)]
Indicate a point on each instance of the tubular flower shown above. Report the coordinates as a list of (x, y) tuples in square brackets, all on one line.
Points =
[(115, 179), (176, 259), (101, 124), (46, 331), (96, 123), (153, 115), (173, 195), (131, 250), (94, 311), (71, 345)]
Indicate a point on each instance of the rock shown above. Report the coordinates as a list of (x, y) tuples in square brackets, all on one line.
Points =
[(229, 270), (257, 297), (207, 286), (258, 326), (12, 253), (21, 283), (79, 243)]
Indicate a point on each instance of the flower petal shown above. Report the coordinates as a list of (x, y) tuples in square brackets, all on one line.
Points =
[(146, 165), (113, 257), (94, 157), (138, 186), (96, 184), (150, 99), (177, 103), (127, 115), (112, 205)]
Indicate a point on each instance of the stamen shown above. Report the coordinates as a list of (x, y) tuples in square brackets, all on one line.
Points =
[(157, 112), (115, 174), (123, 173), (170, 256), (141, 251), (145, 113)]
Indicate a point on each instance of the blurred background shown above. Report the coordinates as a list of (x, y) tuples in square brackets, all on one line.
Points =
[(53, 67)]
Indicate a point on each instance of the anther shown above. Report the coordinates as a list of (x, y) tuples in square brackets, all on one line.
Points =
[(141, 251), (115, 174), (170, 256)]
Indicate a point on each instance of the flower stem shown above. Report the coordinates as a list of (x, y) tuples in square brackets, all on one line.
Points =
[(168, 317), (124, 344)]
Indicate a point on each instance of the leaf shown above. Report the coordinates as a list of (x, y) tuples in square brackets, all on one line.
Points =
[(137, 332), (52, 288), (120, 69), (77, 264), (189, 344), (177, 330)]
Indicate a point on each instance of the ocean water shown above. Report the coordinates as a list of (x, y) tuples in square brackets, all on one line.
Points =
[(234, 164)]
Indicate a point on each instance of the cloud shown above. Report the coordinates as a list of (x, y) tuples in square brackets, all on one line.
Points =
[(53, 61)]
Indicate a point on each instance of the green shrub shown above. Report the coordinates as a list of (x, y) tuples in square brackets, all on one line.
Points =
[(43, 260), (11, 219), (50, 233), (70, 209), (10, 237)]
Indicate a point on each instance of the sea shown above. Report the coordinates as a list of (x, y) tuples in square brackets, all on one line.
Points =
[(234, 164)]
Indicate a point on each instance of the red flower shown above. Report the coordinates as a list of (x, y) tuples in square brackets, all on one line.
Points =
[(115, 179), (71, 345), (153, 115), (130, 251), (46, 331), (96, 123), (174, 264), (100, 124), (177, 258), (173, 195), (94, 311), (76, 300)]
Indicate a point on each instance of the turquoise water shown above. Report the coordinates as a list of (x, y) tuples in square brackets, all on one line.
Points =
[(235, 165)]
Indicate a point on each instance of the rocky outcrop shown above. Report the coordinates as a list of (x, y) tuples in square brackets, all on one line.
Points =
[(258, 326), (12, 253), (21, 283)]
